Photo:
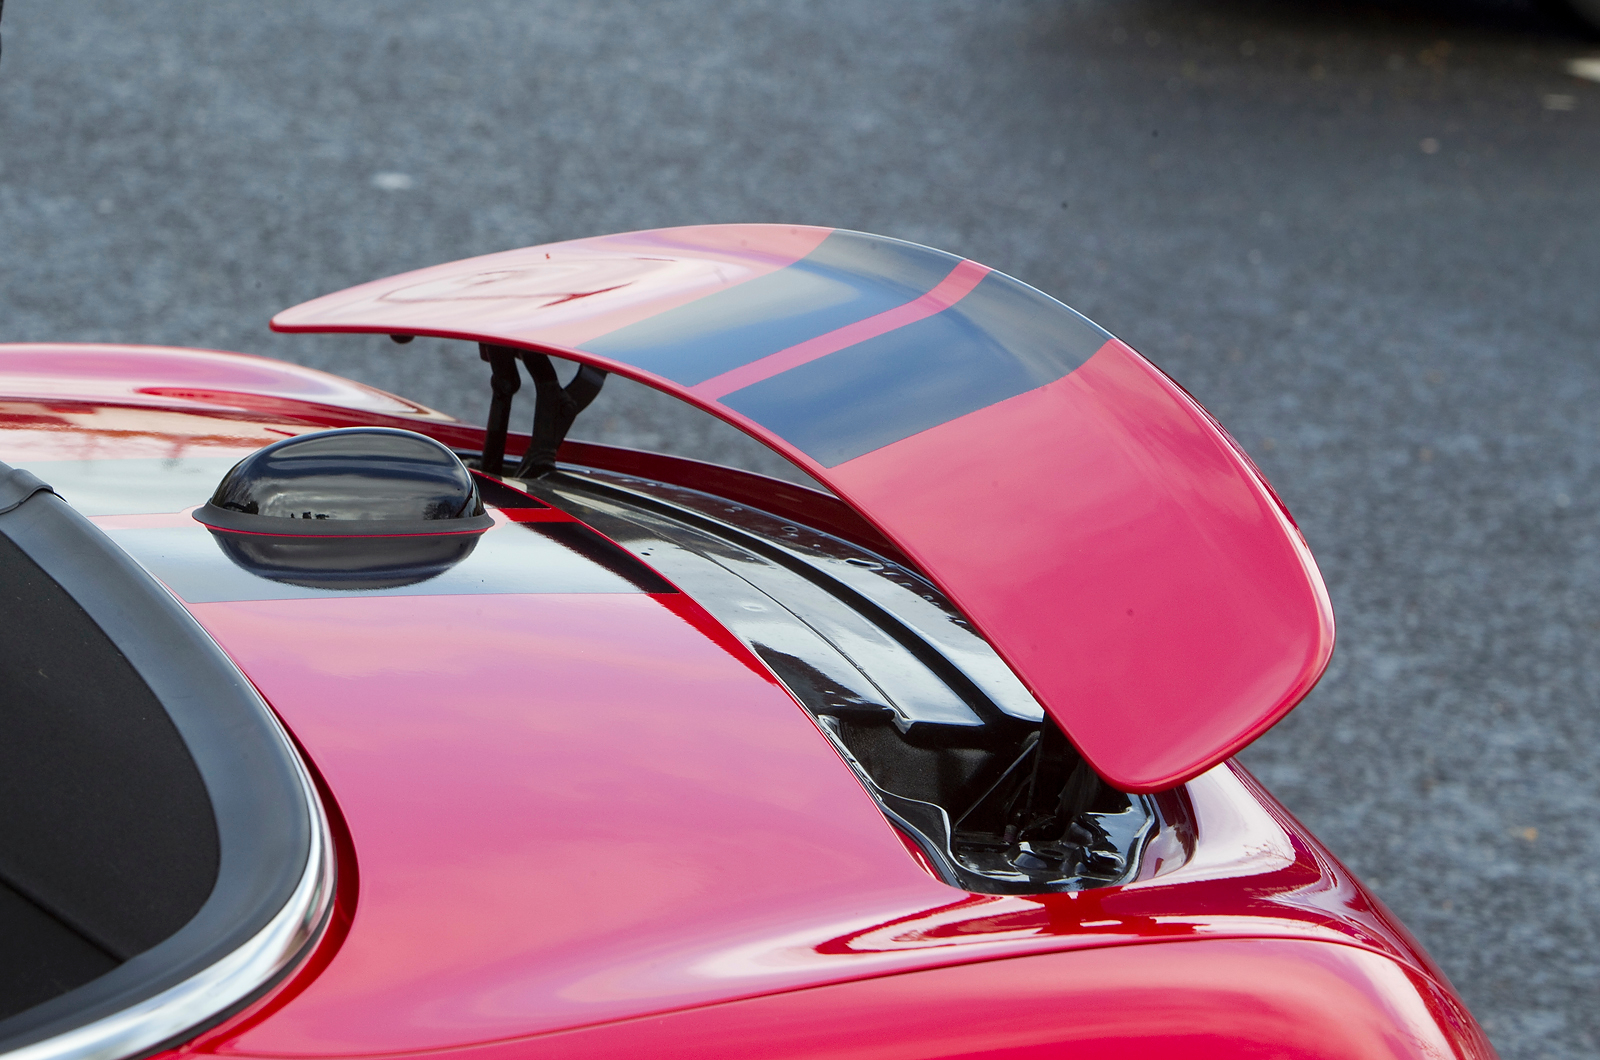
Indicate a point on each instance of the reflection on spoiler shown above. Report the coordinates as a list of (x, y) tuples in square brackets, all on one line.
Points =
[(1121, 554)]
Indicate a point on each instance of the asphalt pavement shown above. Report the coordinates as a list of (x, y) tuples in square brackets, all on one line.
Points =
[(1367, 236)]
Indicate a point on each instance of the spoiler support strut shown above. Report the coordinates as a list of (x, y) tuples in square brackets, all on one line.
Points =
[(554, 410)]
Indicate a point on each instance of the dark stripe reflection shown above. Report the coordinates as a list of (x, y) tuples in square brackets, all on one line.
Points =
[(602, 552), (1003, 339), (848, 277)]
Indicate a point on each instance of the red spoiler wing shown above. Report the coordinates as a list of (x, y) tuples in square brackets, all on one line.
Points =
[(1097, 526)]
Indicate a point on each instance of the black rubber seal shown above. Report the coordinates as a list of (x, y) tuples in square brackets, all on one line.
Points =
[(263, 818), (17, 485)]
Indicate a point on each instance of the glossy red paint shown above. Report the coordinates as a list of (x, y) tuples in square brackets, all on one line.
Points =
[(1260, 931), (107, 402), (567, 809), (568, 292), (676, 863), (668, 832), (1201, 1000), (68, 401), (89, 402), (1122, 556), (35, 430), (172, 377)]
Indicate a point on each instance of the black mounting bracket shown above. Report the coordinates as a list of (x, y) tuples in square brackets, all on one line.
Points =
[(555, 407)]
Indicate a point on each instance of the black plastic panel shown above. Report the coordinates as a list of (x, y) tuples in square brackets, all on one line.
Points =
[(41, 957), (106, 824)]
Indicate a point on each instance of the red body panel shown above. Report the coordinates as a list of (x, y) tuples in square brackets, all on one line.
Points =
[(567, 809), (1339, 962), (168, 377), (594, 825), (1248, 999), (1107, 538)]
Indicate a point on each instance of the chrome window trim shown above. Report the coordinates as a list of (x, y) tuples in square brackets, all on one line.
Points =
[(230, 982)]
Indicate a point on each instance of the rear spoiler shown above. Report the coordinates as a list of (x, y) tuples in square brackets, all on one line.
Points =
[(1115, 546)]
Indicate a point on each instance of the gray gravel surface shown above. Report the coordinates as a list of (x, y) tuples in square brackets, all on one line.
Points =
[(1367, 236)]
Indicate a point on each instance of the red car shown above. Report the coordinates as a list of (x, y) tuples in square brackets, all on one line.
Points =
[(333, 733)]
